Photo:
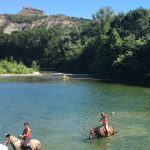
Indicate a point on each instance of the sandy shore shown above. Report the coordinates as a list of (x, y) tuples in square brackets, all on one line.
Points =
[(33, 74)]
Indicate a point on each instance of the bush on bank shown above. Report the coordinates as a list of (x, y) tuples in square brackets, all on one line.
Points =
[(12, 67)]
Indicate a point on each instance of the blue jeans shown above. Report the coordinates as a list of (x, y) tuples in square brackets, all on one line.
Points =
[(26, 141)]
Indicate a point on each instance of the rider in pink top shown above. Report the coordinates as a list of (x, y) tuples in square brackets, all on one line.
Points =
[(104, 121)]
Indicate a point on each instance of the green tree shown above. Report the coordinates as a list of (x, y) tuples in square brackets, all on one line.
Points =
[(102, 19)]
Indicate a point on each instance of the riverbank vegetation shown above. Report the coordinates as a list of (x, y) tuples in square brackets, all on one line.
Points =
[(113, 46), (12, 67)]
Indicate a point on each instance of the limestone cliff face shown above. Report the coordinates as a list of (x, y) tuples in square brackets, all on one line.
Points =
[(30, 18), (48, 22), (52, 21), (12, 27)]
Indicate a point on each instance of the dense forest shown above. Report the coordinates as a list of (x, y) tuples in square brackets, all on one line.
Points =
[(110, 46)]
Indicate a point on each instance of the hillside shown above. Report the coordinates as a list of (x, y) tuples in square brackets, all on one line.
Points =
[(30, 18), (110, 46)]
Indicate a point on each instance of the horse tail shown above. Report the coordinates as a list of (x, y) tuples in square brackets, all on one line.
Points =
[(38, 146), (41, 148), (114, 132)]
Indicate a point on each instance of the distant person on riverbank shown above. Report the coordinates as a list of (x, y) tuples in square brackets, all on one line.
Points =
[(26, 135), (104, 121)]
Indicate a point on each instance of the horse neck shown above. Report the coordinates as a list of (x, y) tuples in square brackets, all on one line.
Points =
[(13, 142)]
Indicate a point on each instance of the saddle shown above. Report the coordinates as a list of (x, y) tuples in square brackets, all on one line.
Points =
[(28, 146)]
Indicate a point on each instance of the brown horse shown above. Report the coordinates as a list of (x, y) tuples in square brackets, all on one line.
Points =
[(101, 132), (17, 143)]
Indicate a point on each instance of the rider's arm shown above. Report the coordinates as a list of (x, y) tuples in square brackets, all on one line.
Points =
[(109, 115), (25, 132), (101, 119)]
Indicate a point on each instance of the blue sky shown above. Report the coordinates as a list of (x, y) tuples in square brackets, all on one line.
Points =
[(76, 8)]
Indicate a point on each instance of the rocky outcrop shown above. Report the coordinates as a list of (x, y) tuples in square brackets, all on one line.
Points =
[(12, 27), (52, 21), (30, 18), (47, 22), (28, 11), (3, 20)]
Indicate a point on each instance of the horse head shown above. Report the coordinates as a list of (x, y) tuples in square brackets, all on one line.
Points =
[(9, 139), (92, 133), (6, 139)]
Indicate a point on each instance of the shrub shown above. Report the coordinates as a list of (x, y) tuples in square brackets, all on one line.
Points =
[(12, 67)]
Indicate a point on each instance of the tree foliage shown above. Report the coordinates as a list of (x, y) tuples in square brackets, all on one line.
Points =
[(115, 46)]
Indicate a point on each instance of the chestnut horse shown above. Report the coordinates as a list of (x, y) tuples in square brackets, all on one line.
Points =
[(101, 132)]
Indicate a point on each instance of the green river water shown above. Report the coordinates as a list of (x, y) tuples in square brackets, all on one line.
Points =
[(61, 112)]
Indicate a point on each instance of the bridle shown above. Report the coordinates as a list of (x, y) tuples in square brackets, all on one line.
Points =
[(6, 141)]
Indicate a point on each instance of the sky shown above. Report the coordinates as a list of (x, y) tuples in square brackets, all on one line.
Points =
[(73, 8)]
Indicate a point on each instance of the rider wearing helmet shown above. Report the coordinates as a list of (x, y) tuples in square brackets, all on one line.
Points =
[(26, 135)]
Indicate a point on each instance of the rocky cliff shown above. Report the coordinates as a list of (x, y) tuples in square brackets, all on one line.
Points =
[(29, 11), (30, 18)]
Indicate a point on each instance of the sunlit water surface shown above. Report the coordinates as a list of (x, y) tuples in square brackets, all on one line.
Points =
[(61, 112)]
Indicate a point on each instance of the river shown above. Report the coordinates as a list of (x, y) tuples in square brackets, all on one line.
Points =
[(61, 112)]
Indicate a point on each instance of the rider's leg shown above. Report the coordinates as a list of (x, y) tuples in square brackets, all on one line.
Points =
[(26, 146), (106, 128), (31, 144)]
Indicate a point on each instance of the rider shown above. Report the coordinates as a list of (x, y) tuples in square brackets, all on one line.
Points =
[(26, 135), (104, 121)]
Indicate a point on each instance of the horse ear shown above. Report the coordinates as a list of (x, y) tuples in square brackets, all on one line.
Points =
[(7, 135)]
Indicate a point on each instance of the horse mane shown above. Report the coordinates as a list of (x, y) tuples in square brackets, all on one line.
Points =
[(12, 137), (15, 138)]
